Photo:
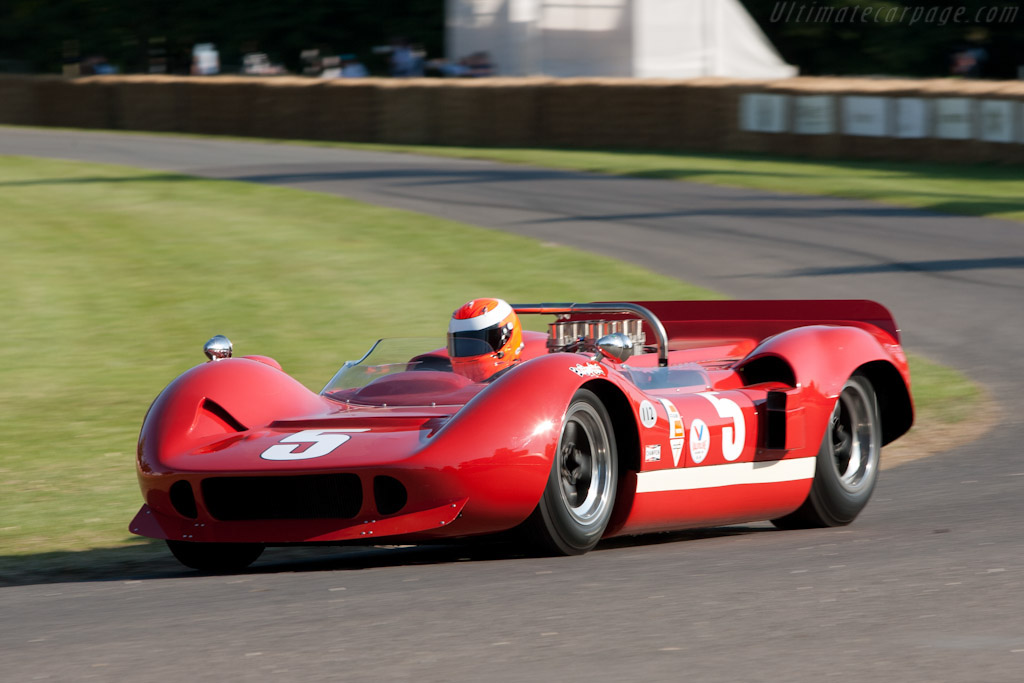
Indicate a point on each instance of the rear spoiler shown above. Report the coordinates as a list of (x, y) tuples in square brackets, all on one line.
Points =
[(665, 321), (758, 319)]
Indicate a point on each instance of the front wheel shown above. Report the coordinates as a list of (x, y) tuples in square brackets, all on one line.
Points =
[(847, 463), (215, 557), (580, 493)]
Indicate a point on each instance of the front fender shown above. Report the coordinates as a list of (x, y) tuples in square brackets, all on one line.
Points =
[(218, 398), (505, 438)]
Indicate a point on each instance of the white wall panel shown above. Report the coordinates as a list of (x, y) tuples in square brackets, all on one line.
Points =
[(996, 120), (764, 113), (913, 117), (814, 114), (954, 118), (866, 116)]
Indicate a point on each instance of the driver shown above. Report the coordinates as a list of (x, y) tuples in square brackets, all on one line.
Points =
[(484, 338)]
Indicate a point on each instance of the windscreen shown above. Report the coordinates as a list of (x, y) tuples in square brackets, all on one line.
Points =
[(389, 356)]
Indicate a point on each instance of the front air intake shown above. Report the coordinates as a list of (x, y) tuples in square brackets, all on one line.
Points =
[(183, 500), (389, 494), (314, 496)]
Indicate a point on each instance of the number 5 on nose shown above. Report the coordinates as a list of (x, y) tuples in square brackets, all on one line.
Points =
[(322, 442)]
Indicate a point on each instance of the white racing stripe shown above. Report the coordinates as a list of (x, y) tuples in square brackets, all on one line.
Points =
[(732, 474), (480, 322)]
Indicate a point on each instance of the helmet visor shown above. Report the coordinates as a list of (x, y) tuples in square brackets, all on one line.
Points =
[(477, 342)]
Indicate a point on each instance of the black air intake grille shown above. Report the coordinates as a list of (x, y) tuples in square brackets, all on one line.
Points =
[(315, 496), (183, 500)]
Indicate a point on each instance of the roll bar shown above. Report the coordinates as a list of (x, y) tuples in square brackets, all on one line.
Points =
[(613, 307)]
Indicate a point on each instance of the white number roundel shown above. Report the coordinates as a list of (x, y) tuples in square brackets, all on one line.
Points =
[(322, 441), (648, 415), (732, 437)]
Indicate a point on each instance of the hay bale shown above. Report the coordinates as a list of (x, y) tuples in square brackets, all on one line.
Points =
[(459, 109), (220, 105), (17, 100), (704, 115), (153, 103), (282, 108), (80, 103), (567, 113), (693, 114), (730, 137), (624, 115), (345, 110), (510, 114), (407, 113)]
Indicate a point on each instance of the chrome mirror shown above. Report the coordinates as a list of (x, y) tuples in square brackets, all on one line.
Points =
[(218, 348), (616, 347)]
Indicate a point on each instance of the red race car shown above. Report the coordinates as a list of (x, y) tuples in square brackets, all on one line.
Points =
[(625, 418)]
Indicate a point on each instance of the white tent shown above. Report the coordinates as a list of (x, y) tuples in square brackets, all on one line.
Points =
[(641, 38)]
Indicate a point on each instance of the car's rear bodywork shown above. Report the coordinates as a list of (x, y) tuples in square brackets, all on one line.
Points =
[(720, 422)]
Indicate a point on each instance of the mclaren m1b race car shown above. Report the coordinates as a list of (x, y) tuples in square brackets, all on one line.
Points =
[(623, 419)]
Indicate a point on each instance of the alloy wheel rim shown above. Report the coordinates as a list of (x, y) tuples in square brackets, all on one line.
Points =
[(584, 464), (852, 437)]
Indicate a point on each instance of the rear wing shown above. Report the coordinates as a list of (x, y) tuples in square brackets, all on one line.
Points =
[(667, 321), (758, 319)]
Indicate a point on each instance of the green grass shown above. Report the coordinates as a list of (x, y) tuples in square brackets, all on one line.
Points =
[(112, 278), (965, 189), (941, 394)]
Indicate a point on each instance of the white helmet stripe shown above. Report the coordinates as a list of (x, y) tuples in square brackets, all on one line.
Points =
[(480, 322)]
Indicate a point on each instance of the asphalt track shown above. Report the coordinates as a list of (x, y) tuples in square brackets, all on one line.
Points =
[(927, 585)]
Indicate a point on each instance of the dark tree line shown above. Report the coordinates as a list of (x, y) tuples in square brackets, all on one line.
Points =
[(42, 35)]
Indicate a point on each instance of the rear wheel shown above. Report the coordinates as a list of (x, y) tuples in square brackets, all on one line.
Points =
[(847, 463), (215, 557), (580, 493)]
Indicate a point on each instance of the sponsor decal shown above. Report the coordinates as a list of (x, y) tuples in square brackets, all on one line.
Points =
[(676, 431), (648, 414), (700, 441), (308, 444), (588, 370), (677, 450), (652, 453), (675, 421)]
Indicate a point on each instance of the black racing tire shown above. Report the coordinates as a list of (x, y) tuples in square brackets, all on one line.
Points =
[(847, 465), (215, 557), (579, 496)]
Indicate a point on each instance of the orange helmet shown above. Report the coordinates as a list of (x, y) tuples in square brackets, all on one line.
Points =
[(484, 336)]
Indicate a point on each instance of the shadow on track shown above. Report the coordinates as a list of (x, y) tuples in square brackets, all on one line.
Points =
[(151, 560), (90, 180), (948, 265)]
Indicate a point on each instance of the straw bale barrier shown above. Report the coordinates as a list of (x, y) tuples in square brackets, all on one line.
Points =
[(942, 119)]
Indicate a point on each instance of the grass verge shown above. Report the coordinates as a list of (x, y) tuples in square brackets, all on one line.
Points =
[(983, 189), (973, 190), (114, 277)]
